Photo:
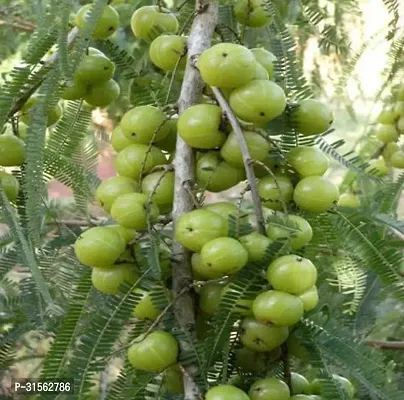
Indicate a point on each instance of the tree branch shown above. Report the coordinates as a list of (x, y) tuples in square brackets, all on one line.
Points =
[(22, 27), (248, 161), (199, 39), (381, 344)]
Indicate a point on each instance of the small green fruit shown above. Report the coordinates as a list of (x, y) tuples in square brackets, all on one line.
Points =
[(132, 210), (154, 352), (106, 25)]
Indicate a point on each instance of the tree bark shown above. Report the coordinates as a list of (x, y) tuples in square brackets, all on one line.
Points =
[(199, 39)]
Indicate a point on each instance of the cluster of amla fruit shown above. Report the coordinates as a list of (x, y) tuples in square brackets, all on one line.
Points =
[(144, 189), (272, 388), (390, 127), (92, 81)]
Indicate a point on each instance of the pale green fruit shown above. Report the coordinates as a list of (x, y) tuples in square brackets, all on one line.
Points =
[(166, 51), (251, 13), (258, 148), (309, 298), (222, 256), (292, 274), (261, 73), (149, 22), (154, 352), (216, 175), (266, 59), (111, 188), (399, 109), (308, 161), (299, 384), (258, 101), (388, 116), (397, 159), (133, 210), (301, 235), (269, 388), (313, 117), (145, 308), (389, 150), (315, 194), (127, 234), (196, 228), (227, 65), (275, 191), (346, 385), (144, 124), (225, 392), (199, 126), (99, 247), (278, 308), (160, 184), (10, 185), (400, 125), (387, 133), (12, 151), (349, 200), (262, 336), (109, 280), (209, 298), (119, 141), (103, 94), (256, 245), (137, 158), (107, 24)]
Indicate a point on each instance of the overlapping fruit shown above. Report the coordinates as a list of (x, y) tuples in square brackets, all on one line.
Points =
[(289, 184)]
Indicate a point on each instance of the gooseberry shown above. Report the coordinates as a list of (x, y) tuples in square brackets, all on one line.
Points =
[(106, 25), (279, 308), (315, 194), (149, 22), (258, 101), (99, 247), (132, 210), (196, 228), (154, 352), (227, 65)]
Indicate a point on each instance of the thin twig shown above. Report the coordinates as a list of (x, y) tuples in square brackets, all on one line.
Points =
[(32, 89), (18, 26), (248, 162), (104, 385), (386, 345), (154, 324), (199, 39)]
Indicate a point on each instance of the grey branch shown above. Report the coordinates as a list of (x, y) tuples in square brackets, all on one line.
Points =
[(387, 345), (248, 162), (199, 39)]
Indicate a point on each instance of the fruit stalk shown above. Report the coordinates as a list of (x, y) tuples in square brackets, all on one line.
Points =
[(199, 39), (248, 161)]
